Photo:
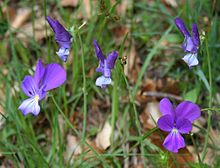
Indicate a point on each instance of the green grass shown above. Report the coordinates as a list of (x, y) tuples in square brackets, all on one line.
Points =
[(41, 141)]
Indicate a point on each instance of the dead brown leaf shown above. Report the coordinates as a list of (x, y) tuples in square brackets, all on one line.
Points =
[(103, 138), (172, 3), (22, 16), (73, 148), (39, 31), (69, 3)]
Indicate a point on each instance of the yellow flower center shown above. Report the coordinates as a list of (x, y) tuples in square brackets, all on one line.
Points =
[(36, 97), (175, 130)]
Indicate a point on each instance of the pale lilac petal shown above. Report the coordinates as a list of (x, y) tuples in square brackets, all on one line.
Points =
[(166, 123), (39, 72), (63, 53), (54, 76), (188, 110), (30, 105), (174, 141), (29, 86), (181, 26), (191, 59), (183, 125), (103, 81), (98, 51), (166, 107), (195, 35), (111, 58)]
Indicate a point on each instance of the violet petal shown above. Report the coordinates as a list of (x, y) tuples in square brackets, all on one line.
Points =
[(174, 141), (183, 125), (30, 105), (166, 107), (39, 72), (98, 51), (166, 123), (54, 76), (188, 45), (62, 36), (111, 58), (181, 26), (29, 86), (195, 35), (188, 110)]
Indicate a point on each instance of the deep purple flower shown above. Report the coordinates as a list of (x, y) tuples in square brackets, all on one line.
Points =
[(105, 66), (191, 42), (45, 79), (62, 37), (177, 121)]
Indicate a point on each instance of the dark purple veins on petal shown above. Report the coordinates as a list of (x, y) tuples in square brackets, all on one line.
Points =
[(29, 86)]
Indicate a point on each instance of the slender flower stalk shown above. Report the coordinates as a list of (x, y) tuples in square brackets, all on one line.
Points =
[(105, 66), (62, 37), (177, 121), (191, 42), (36, 87)]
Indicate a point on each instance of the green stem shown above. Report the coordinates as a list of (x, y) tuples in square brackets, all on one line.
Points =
[(210, 103), (196, 148), (114, 109), (148, 59), (84, 88), (77, 133)]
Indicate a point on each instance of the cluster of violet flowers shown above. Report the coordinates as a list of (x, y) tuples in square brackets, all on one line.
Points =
[(176, 121), (54, 75)]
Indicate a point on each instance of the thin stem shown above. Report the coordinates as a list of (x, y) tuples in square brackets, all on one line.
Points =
[(210, 102), (77, 133), (64, 116), (196, 148), (84, 88)]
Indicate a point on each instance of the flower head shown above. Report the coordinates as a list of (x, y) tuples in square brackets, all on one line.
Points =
[(105, 66), (177, 121), (36, 87), (191, 42), (62, 37)]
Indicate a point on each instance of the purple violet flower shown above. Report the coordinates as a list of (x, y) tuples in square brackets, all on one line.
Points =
[(62, 37), (191, 42), (45, 79), (105, 66), (177, 121)]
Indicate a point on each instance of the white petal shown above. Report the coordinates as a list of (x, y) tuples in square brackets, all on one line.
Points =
[(191, 59), (103, 81), (30, 105), (63, 53)]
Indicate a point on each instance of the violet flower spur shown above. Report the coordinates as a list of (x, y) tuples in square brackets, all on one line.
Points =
[(191, 43), (36, 87), (177, 121), (105, 66), (62, 37)]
